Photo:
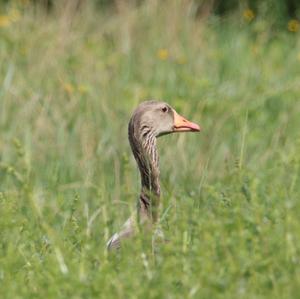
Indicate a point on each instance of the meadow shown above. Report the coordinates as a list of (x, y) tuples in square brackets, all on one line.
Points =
[(69, 81)]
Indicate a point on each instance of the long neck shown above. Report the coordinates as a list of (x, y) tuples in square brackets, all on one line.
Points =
[(143, 145)]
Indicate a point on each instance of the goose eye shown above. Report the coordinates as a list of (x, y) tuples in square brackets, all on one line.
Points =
[(164, 109)]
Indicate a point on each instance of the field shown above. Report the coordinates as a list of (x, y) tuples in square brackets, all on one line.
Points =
[(69, 81)]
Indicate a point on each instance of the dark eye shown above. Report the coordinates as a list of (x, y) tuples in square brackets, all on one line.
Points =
[(164, 109)]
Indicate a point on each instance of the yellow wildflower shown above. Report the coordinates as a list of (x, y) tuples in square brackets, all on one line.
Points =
[(248, 15), (4, 21), (293, 25), (163, 54), (68, 87)]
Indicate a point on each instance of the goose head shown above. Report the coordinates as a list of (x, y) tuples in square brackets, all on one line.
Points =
[(159, 118)]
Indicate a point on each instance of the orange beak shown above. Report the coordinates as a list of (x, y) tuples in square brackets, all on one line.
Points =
[(183, 125)]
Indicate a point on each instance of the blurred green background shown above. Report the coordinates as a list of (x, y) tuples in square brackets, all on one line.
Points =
[(71, 73)]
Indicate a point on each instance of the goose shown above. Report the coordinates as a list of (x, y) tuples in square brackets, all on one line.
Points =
[(150, 120)]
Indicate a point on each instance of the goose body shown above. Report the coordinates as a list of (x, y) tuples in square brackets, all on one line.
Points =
[(150, 120)]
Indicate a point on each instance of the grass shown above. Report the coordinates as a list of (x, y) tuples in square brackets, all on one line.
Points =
[(68, 84)]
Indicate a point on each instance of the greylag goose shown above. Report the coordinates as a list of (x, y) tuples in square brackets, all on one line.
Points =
[(150, 120)]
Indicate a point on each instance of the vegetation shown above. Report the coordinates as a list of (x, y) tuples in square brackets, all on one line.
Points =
[(69, 81)]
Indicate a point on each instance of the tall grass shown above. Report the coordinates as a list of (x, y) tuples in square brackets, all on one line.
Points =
[(68, 84)]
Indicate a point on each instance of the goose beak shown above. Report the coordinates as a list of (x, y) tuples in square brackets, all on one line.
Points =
[(183, 125)]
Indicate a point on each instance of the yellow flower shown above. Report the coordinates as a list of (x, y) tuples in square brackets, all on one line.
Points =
[(68, 87), (298, 56), (163, 54), (293, 25), (248, 15), (4, 21)]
